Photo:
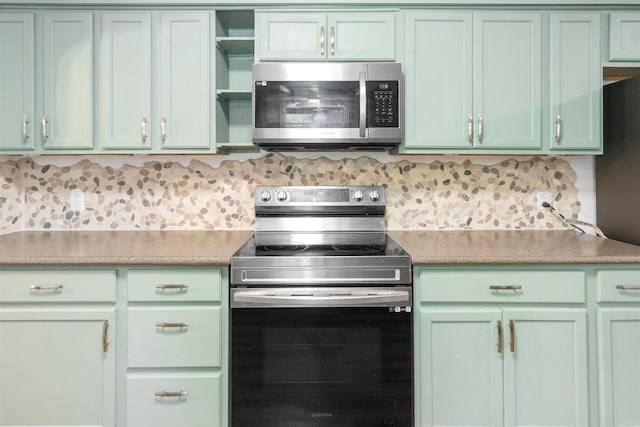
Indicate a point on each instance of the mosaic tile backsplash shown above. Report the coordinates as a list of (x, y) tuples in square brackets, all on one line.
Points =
[(421, 194)]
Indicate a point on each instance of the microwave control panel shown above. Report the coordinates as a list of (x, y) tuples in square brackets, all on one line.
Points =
[(382, 104)]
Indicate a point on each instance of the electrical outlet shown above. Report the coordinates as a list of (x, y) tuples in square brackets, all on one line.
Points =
[(541, 197), (76, 200)]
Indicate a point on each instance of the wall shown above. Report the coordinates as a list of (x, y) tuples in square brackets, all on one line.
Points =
[(216, 192)]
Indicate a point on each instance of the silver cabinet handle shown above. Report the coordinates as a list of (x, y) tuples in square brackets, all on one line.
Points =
[(470, 128), (144, 129), (180, 287), (25, 135), (44, 128), (363, 103), (512, 333), (180, 393), (558, 128), (628, 287), (172, 325), (46, 287), (105, 338), (163, 128), (480, 128), (322, 40), (333, 40), (505, 288)]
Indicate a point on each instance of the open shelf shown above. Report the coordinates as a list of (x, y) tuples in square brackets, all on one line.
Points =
[(235, 44)]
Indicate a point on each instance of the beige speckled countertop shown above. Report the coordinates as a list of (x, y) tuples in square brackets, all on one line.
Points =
[(513, 247), (217, 247), (121, 247)]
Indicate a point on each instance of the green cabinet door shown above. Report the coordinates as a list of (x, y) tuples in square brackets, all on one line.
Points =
[(545, 367), (291, 36), (507, 93), (459, 367), (184, 81), (619, 365), (125, 81), (56, 368), (310, 36), (439, 80), (67, 116), (624, 36), (17, 81), (358, 36), (575, 82)]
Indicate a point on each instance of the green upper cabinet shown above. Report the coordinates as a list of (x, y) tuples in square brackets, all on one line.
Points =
[(17, 81), (624, 36), (575, 82), (67, 99), (507, 91), (439, 80), (125, 91), (155, 89), (339, 36), (184, 81), (474, 81)]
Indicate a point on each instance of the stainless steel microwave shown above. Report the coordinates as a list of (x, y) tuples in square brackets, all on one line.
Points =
[(327, 106)]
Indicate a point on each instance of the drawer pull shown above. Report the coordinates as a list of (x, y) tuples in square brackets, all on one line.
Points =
[(505, 288), (499, 336), (180, 287), (180, 393), (628, 287), (172, 325), (52, 288)]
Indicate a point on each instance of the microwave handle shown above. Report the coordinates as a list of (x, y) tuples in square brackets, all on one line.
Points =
[(363, 103)]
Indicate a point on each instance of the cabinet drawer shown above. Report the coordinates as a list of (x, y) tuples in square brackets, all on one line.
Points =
[(175, 285), (502, 286), (57, 286), (199, 407), (174, 337), (618, 285)]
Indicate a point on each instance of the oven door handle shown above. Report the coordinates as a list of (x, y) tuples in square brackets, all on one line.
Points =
[(323, 297)]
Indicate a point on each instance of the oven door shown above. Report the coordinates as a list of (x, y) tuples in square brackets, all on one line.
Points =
[(320, 357)]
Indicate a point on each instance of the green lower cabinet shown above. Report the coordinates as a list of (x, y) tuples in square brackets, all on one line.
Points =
[(57, 347), (545, 367), (493, 351), (56, 368), (618, 317), (619, 362), (459, 375), (177, 351)]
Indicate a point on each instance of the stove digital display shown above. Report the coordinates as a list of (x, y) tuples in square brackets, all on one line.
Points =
[(332, 195)]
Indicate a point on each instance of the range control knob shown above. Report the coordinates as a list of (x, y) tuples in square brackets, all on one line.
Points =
[(358, 195), (265, 196), (281, 195), (374, 195)]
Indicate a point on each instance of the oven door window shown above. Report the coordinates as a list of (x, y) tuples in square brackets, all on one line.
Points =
[(307, 105), (309, 367)]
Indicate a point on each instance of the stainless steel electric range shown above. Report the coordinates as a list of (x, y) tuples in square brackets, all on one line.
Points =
[(321, 319)]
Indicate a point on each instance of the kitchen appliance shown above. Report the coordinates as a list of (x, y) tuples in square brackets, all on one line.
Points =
[(321, 320), (327, 106), (618, 169)]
